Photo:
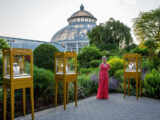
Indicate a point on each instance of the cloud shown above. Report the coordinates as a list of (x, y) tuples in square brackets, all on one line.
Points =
[(130, 1)]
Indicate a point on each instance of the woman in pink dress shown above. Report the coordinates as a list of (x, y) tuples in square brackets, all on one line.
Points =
[(103, 79)]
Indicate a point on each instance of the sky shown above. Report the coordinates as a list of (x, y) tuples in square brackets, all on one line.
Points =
[(41, 19)]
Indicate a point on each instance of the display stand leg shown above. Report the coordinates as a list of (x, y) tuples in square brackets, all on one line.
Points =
[(56, 90), (24, 101), (137, 87), (64, 94), (4, 102), (75, 92), (32, 102), (12, 103), (128, 86), (124, 87), (140, 85), (67, 84)]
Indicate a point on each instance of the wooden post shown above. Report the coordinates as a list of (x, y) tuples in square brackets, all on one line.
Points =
[(56, 90), (64, 94), (124, 79), (67, 85), (12, 103), (128, 85), (32, 102), (24, 101), (75, 92), (140, 78), (4, 102)]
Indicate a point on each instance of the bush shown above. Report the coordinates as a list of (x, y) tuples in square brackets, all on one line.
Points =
[(1, 70), (95, 63), (143, 51), (87, 54), (119, 75), (147, 65), (85, 70), (116, 64), (152, 83), (44, 56), (43, 80)]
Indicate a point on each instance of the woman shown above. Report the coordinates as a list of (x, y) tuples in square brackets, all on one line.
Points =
[(103, 79)]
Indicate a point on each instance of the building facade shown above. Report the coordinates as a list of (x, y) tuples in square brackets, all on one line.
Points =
[(72, 37)]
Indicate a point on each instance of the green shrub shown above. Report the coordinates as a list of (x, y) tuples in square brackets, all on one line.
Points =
[(95, 63), (43, 81), (147, 64), (143, 51), (152, 83), (1, 70), (44, 56), (116, 64), (119, 75), (85, 70), (87, 54)]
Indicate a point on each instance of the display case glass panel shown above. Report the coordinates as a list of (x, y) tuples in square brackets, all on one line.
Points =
[(70, 65), (7, 65), (21, 66), (131, 65), (59, 65)]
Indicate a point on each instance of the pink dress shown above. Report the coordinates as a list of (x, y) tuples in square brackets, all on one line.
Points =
[(103, 82)]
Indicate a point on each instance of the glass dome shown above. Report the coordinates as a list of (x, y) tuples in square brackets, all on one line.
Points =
[(80, 23)]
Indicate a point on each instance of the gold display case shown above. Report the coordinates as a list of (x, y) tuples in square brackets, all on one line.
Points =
[(132, 69), (17, 74), (65, 71)]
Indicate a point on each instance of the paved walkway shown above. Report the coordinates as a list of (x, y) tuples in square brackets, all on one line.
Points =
[(116, 108)]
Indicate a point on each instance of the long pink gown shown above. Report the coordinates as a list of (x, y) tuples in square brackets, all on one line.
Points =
[(103, 82)]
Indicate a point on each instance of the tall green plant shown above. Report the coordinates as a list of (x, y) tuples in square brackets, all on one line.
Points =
[(44, 56), (152, 83)]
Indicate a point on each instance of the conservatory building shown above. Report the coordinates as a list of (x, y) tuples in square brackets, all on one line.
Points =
[(73, 37)]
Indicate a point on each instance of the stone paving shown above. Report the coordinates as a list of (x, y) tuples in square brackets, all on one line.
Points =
[(115, 108)]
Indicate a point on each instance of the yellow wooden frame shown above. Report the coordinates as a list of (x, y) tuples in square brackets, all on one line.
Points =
[(20, 83), (65, 78), (137, 74)]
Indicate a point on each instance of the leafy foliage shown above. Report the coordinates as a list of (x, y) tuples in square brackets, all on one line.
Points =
[(44, 56), (87, 54), (95, 63), (152, 83), (116, 64), (3, 45), (119, 75), (152, 46), (85, 70), (143, 51), (110, 35), (43, 80), (147, 64), (146, 25), (1, 70)]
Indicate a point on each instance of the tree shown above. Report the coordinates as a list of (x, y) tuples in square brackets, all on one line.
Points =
[(110, 35), (152, 46), (87, 54), (3, 45), (147, 25), (44, 56)]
